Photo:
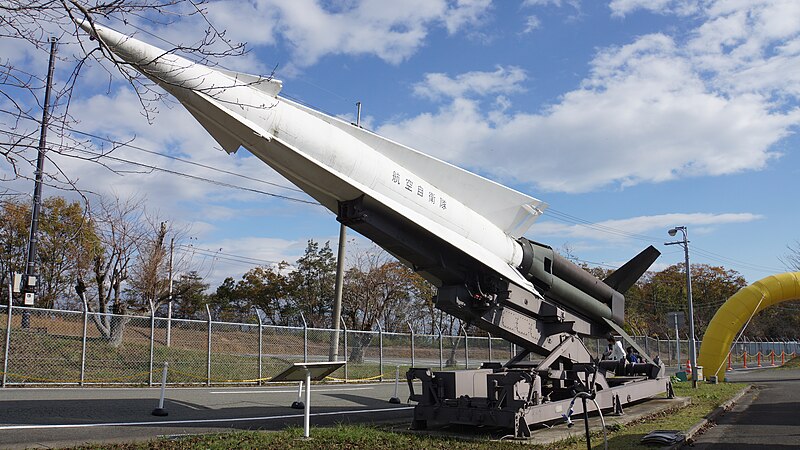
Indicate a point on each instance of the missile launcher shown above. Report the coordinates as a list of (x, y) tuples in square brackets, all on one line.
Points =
[(460, 231)]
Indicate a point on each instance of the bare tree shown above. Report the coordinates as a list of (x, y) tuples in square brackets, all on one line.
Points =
[(30, 25), (377, 287), (792, 259), (121, 231)]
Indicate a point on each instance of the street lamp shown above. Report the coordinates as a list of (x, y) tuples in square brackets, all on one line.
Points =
[(692, 343)]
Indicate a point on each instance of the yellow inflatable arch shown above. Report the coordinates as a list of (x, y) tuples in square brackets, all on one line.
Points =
[(736, 312)]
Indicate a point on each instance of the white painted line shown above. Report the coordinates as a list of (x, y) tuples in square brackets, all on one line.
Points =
[(182, 422), (153, 388), (184, 404), (292, 391)]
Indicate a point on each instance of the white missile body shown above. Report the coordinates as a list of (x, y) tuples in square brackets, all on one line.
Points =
[(334, 161)]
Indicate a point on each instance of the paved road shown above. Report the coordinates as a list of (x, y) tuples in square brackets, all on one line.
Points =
[(47, 418), (768, 417)]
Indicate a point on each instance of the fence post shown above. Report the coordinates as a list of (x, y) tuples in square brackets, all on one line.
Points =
[(344, 326), (305, 337), (208, 355), (8, 331), (152, 341), (260, 346), (490, 346), (441, 347), (658, 347), (380, 349), (83, 339), (466, 348), (411, 329)]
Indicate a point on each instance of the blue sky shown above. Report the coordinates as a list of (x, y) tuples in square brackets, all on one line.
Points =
[(627, 117)]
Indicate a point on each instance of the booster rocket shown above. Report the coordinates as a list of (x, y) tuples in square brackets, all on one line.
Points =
[(453, 227)]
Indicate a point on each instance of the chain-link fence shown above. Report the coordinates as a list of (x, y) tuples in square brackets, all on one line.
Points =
[(43, 346)]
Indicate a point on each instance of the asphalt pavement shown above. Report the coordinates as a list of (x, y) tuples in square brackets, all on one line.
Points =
[(60, 417), (767, 417)]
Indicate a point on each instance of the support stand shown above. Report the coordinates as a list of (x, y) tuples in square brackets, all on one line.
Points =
[(306, 373)]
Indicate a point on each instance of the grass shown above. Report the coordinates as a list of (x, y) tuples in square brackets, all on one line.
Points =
[(53, 355), (341, 437), (793, 363), (705, 399), (350, 437)]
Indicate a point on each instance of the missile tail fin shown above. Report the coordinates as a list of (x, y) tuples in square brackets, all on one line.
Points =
[(224, 138), (508, 209), (626, 276), (268, 84)]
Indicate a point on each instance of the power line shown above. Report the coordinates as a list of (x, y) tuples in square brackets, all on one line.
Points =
[(186, 161), (164, 155), (219, 254), (185, 175)]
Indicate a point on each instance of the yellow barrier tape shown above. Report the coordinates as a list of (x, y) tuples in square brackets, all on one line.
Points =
[(219, 380), (354, 379), (178, 372)]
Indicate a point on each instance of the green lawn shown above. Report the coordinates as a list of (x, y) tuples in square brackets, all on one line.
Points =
[(705, 399), (793, 363)]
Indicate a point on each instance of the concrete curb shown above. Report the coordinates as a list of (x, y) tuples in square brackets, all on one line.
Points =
[(710, 418)]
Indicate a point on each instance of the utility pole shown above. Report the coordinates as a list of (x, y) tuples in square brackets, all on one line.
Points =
[(169, 304), (31, 269), (337, 302), (692, 343)]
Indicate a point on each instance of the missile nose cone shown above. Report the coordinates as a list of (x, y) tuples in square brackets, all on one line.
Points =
[(109, 37), (171, 71), (85, 25)]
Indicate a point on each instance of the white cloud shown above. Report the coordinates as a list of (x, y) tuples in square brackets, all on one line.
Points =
[(504, 80), (392, 31), (620, 8), (575, 5), (654, 110), (531, 23), (623, 229), (751, 48), (557, 3), (466, 13)]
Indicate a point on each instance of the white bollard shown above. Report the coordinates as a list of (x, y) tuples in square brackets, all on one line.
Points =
[(395, 399), (160, 411), (298, 404)]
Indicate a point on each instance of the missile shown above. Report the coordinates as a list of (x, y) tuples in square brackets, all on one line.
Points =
[(450, 225)]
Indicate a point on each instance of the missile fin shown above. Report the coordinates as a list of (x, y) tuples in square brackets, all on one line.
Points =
[(623, 278), (228, 130), (268, 85), (508, 209), (224, 138)]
